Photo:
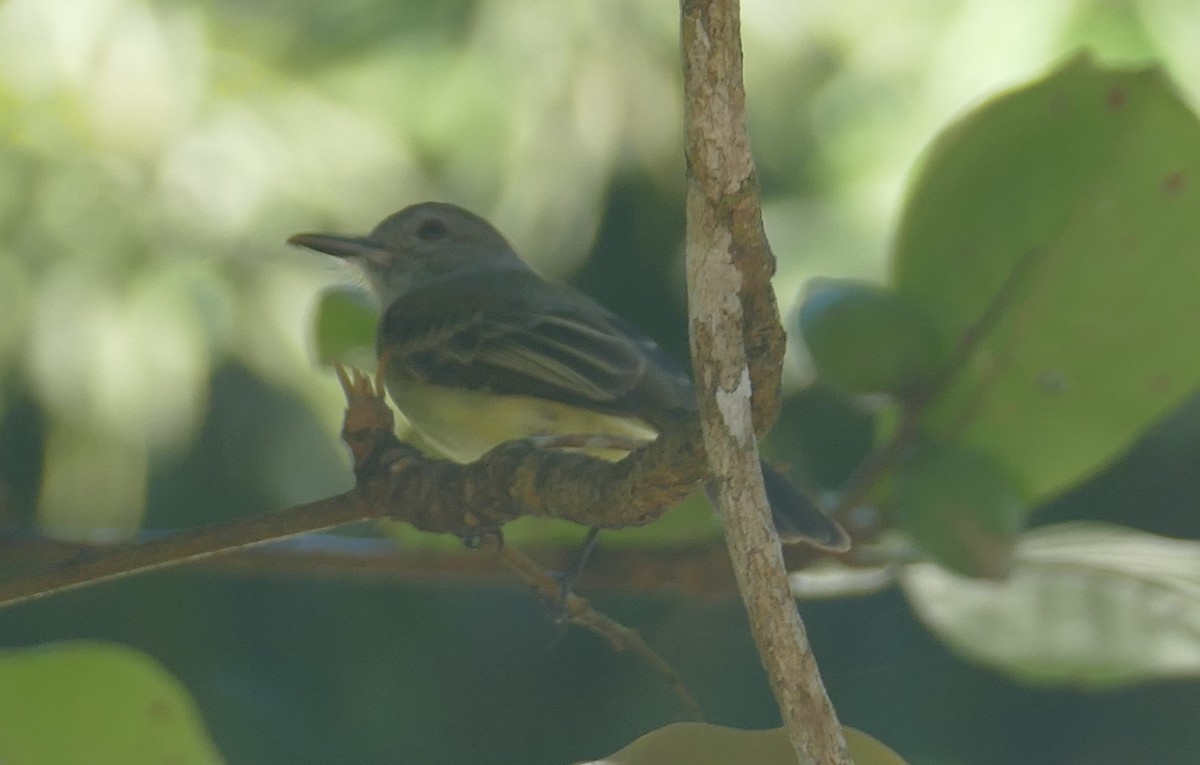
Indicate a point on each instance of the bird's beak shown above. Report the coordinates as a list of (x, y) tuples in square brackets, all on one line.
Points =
[(349, 247)]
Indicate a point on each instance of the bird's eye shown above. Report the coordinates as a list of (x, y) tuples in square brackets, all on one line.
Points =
[(431, 230)]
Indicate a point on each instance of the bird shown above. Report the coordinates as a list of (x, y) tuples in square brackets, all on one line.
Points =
[(477, 349)]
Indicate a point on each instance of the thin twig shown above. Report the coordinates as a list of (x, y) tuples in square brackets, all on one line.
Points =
[(579, 611), (119, 561)]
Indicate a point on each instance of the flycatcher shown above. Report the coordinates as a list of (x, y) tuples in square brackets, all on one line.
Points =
[(477, 350)]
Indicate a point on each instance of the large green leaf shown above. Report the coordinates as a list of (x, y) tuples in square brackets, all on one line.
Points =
[(1071, 208), (1087, 603), (86, 702)]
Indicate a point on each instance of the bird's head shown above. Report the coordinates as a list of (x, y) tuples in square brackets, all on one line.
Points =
[(421, 244)]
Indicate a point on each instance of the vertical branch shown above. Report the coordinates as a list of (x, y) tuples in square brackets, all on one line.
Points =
[(733, 322)]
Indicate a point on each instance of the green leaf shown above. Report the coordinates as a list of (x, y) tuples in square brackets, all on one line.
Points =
[(83, 702), (863, 338), (959, 507), (345, 327), (1087, 603), (1068, 209), (704, 744)]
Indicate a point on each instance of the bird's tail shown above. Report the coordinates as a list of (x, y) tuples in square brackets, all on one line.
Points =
[(797, 518)]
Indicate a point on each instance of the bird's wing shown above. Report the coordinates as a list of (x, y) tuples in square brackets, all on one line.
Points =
[(543, 340)]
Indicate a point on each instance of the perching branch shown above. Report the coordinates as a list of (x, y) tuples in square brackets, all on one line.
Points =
[(514, 479), (397, 481), (737, 345), (112, 562), (387, 472), (698, 569)]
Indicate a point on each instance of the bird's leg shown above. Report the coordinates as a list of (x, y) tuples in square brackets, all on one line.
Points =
[(476, 541), (585, 441), (566, 579)]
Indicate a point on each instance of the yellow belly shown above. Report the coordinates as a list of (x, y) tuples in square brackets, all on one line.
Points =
[(463, 425)]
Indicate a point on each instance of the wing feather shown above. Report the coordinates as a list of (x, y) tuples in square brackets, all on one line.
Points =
[(542, 340)]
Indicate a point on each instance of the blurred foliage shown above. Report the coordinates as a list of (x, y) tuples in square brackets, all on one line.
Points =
[(703, 744), (156, 367), (1088, 604)]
